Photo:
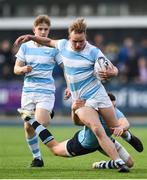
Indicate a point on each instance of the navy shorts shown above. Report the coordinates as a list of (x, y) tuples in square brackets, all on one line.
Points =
[(76, 149)]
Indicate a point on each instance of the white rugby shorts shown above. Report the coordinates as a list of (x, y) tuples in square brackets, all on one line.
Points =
[(99, 100), (31, 101)]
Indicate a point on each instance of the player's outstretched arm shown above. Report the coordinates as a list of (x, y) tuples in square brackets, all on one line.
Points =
[(123, 126), (40, 40)]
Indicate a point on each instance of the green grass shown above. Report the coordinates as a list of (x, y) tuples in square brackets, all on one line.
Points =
[(15, 158)]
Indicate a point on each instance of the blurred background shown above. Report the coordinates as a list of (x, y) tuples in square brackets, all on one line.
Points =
[(118, 28)]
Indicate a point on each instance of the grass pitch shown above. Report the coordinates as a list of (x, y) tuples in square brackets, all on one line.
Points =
[(15, 158)]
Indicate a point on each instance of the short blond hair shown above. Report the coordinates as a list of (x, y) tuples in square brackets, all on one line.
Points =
[(42, 19), (78, 26)]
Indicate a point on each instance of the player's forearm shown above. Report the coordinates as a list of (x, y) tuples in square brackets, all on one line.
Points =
[(115, 73), (123, 122), (42, 40), (113, 70), (67, 82), (18, 70)]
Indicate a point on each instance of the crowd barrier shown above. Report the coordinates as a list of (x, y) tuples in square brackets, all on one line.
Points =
[(131, 99)]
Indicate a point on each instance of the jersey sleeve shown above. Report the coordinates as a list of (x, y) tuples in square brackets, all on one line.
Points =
[(119, 114), (21, 53), (61, 44)]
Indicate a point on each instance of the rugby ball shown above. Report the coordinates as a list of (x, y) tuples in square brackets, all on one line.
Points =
[(101, 64)]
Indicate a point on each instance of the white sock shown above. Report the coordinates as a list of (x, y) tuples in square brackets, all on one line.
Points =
[(127, 136)]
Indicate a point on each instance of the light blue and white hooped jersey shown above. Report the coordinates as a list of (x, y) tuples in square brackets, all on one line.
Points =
[(79, 68), (42, 59)]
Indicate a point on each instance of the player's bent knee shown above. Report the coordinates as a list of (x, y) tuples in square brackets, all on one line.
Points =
[(45, 124), (98, 132), (130, 162)]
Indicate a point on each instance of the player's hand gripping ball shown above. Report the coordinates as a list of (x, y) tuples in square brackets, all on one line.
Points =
[(101, 64)]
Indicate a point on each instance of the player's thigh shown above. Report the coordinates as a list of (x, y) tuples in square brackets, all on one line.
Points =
[(60, 149), (42, 116), (88, 116), (109, 116), (44, 107)]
